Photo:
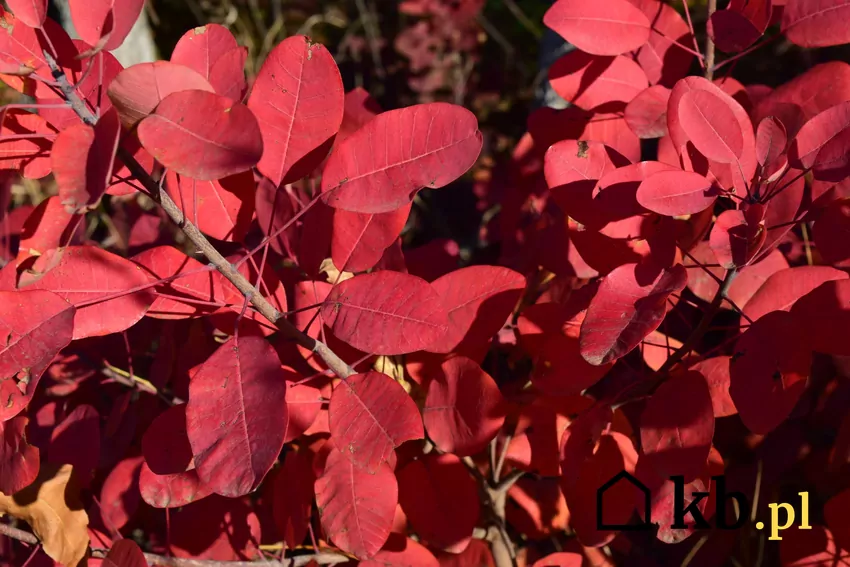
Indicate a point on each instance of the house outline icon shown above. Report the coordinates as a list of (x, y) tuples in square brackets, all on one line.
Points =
[(646, 524)]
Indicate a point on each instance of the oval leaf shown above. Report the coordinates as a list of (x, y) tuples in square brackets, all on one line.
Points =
[(817, 23), (34, 327), (625, 310), (600, 28), (646, 114), (676, 427), (236, 415), (136, 91), (356, 507), (369, 415), (380, 167), (202, 135), (589, 81), (385, 313), (109, 291), (675, 193), (464, 408), (769, 371), (31, 12), (298, 99), (440, 500)]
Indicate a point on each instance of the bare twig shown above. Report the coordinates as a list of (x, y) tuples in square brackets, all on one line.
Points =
[(709, 45), (336, 364)]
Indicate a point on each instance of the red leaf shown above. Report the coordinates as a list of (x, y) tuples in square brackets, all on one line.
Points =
[(30, 156), (478, 300), (19, 461), (676, 427), (715, 371), (103, 286), (356, 507), (590, 81), (76, 441), (771, 142), (817, 133), (32, 13), (646, 113), (292, 495), (165, 444), (710, 124), (223, 208), (781, 290), (82, 159), (736, 239), (236, 415), (819, 313), (359, 239), (298, 99), (369, 415), (171, 490), (663, 60), (120, 496), (104, 23), (401, 551), (464, 408), (125, 553), (137, 91), (821, 87), (401, 152), (440, 500), (740, 25), (833, 160), (385, 313), (664, 509), (613, 455), (627, 307), (769, 371), (674, 193), (202, 135), (600, 28), (816, 23), (34, 327), (212, 51)]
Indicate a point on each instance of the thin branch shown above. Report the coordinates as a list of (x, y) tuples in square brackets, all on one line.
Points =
[(696, 336), (709, 44), (334, 362)]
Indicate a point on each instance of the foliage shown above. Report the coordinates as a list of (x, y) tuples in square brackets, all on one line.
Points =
[(218, 343)]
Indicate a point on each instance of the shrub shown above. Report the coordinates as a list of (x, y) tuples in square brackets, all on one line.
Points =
[(215, 341)]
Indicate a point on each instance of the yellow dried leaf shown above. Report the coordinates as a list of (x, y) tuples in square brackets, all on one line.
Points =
[(51, 506), (334, 275)]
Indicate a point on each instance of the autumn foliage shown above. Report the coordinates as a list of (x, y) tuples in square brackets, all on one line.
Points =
[(262, 370)]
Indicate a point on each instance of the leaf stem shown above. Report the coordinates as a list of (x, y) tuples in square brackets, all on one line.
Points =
[(709, 44)]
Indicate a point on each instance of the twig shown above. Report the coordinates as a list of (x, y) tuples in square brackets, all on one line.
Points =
[(339, 367), (700, 330), (709, 44), (18, 534)]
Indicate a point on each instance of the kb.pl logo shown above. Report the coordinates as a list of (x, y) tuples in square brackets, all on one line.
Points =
[(681, 508)]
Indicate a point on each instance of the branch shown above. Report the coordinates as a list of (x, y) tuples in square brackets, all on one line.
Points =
[(709, 44), (700, 330), (322, 558), (334, 362)]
